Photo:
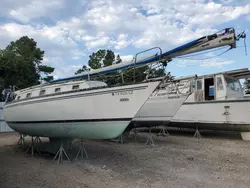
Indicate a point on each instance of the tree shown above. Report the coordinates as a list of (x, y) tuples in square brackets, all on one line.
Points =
[(21, 64), (95, 60), (109, 58), (118, 59), (1, 88), (83, 69), (102, 58)]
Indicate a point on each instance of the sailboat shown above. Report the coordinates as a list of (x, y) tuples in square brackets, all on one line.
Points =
[(78, 107)]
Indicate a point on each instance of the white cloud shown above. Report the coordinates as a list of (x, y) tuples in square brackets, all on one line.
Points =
[(107, 24), (35, 9), (215, 63), (73, 30), (65, 71), (52, 39), (208, 63), (45, 60), (77, 54), (122, 41), (126, 57), (102, 41)]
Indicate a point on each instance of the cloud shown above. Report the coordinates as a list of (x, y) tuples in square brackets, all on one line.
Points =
[(71, 31), (122, 41), (126, 57), (77, 54), (215, 63), (208, 63), (35, 9), (119, 24), (54, 40), (99, 42), (65, 71)]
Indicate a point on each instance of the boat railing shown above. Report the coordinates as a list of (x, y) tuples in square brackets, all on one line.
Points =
[(150, 49)]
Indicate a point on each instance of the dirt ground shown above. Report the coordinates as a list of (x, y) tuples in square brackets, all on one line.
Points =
[(178, 161)]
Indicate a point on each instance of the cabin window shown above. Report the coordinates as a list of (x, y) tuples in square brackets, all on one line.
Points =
[(219, 84), (233, 84), (199, 84), (193, 85), (75, 87), (28, 95), (57, 90), (42, 92)]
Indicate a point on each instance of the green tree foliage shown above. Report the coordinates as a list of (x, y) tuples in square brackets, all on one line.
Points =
[(83, 69), (21, 64), (118, 59), (95, 60), (102, 58), (45, 69), (154, 73), (109, 58)]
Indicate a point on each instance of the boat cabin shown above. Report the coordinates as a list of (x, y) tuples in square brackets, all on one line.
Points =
[(56, 89), (219, 86)]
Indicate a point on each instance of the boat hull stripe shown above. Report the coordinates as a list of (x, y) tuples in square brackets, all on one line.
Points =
[(222, 101), (70, 121)]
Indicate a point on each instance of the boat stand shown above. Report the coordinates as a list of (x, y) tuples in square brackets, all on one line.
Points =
[(120, 139), (197, 133), (150, 140), (163, 132), (135, 134), (38, 140), (21, 139), (81, 150), (32, 147), (59, 154)]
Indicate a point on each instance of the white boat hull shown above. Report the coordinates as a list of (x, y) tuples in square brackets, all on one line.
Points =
[(209, 115), (93, 114), (159, 109), (230, 115)]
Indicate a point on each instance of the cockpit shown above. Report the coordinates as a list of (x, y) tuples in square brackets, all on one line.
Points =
[(217, 87)]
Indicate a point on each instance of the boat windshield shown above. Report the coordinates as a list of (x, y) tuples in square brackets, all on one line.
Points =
[(233, 87), (233, 84)]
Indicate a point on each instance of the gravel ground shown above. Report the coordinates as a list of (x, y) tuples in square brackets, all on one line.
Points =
[(176, 161)]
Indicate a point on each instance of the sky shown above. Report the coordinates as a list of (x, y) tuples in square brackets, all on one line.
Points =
[(70, 30)]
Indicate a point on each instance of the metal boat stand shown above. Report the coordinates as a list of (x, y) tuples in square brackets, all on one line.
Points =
[(21, 139), (59, 154), (120, 139), (81, 150), (32, 147), (38, 140), (150, 140), (135, 134), (163, 131), (197, 133)]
